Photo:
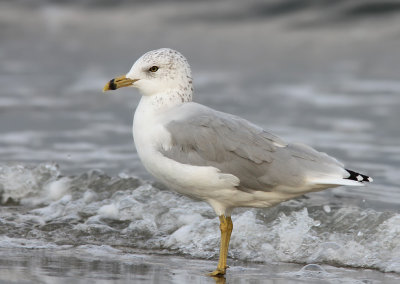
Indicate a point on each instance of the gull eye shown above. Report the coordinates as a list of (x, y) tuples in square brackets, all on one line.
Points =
[(153, 69)]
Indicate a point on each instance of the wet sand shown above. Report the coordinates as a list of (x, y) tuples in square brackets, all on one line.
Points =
[(77, 265)]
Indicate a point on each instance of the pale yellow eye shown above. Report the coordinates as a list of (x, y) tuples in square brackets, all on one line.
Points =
[(153, 69)]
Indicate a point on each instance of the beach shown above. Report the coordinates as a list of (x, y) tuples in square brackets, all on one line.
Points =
[(77, 206)]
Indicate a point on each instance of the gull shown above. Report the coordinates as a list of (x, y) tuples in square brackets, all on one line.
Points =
[(216, 157)]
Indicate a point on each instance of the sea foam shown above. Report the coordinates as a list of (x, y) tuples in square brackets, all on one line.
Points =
[(125, 212)]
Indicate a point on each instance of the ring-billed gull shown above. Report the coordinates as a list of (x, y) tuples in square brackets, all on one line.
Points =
[(214, 156)]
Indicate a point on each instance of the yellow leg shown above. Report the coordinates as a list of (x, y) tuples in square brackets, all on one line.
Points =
[(226, 227)]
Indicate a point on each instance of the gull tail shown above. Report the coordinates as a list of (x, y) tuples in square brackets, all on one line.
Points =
[(358, 177), (353, 179)]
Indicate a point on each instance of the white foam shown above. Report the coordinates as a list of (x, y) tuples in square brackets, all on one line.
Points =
[(89, 196), (109, 211), (327, 208), (18, 182), (6, 242), (154, 219), (54, 190)]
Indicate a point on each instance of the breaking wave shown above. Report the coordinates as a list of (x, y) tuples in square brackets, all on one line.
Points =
[(42, 208)]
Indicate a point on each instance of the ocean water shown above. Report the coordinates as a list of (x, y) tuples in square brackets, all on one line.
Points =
[(75, 199)]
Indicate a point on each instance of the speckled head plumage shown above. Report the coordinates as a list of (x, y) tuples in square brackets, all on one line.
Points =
[(162, 70)]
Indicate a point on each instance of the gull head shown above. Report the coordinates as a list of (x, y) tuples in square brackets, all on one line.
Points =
[(156, 72)]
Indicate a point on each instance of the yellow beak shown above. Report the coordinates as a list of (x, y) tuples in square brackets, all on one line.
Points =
[(119, 82)]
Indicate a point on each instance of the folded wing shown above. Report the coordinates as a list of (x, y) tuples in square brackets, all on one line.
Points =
[(261, 160)]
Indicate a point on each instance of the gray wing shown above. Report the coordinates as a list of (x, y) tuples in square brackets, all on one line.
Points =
[(261, 160)]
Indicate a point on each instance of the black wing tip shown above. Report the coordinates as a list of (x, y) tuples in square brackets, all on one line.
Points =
[(358, 177)]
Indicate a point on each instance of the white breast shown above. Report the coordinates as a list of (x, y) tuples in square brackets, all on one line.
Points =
[(150, 136)]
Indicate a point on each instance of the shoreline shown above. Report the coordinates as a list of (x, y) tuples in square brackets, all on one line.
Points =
[(104, 264)]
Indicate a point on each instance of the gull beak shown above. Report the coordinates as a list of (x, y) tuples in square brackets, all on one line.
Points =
[(119, 82)]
